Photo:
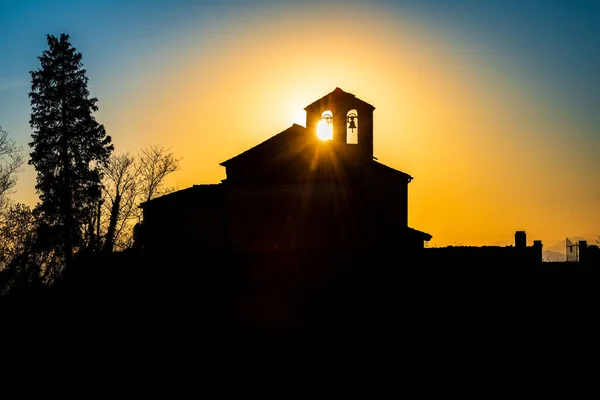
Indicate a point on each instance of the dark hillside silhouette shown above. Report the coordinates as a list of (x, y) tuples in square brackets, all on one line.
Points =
[(172, 301), (305, 239)]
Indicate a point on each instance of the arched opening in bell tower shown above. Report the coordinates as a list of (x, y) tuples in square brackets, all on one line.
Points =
[(352, 127), (325, 126)]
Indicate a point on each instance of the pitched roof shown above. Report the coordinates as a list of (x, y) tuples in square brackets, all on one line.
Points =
[(208, 192), (382, 168), (274, 145), (335, 96), (291, 147), (420, 234)]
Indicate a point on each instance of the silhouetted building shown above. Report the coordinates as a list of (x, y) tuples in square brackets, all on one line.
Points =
[(572, 250), (589, 254), (306, 188), (507, 256), (520, 239)]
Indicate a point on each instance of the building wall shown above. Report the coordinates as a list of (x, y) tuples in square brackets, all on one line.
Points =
[(291, 217), (515, 256), (589, 255), (485, 255), (175, 227), (278, 217)]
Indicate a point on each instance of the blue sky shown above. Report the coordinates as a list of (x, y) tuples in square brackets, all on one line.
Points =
[(557, 41)]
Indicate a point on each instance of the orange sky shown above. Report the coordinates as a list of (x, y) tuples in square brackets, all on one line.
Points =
[(488, 147)]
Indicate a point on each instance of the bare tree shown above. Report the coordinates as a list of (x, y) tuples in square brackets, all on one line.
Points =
[(24, 259), (120, 190), (16, 232), (155, 163), (129, 181), (11, 161)]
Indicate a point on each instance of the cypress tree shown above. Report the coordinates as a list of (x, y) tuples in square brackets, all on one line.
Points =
[(69, 146)]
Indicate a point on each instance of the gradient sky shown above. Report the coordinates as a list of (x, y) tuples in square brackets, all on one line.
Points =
[(492, 106)]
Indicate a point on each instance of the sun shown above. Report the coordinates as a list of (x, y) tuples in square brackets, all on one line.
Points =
[(324, 130)]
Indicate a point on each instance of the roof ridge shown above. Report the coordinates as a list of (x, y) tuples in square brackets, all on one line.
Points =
[(288, 130)]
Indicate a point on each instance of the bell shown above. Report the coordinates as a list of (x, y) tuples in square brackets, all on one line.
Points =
[(352, 125)]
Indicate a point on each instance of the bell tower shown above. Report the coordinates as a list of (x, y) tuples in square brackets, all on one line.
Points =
[(349, 121)]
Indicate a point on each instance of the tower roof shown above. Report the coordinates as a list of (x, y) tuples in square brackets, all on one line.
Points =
[(337, 96)]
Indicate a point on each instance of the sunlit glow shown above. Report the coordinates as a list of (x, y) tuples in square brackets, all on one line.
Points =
[(324, 130), (484, 166), (300, 117)]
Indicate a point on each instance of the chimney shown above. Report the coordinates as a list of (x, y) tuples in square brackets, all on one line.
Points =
[(520, 239)]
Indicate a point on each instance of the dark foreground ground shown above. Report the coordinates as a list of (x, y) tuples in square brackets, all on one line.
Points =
[(190, 305)]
